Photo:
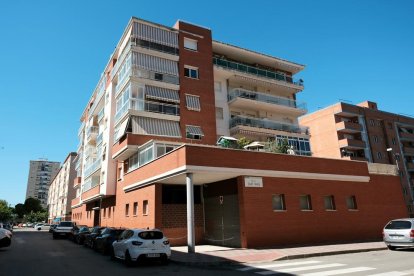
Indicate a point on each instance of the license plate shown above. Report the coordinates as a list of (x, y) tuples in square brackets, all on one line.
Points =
[(153, 255), (397, 237)]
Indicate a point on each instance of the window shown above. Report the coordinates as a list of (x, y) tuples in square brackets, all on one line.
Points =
[(133, 162), (329, 202), (127, 210), (219, 113), (191, 72), (379, 155), (371, 122), (104, 212), (351, 203), (278, 202), (393, 141), (135, 211), (109, 212), (192, 102), (193, 132), (145, 207), (305, 202), (190, 44), (376, 139)]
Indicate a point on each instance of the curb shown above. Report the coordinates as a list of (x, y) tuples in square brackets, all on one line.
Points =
[(224, 262)]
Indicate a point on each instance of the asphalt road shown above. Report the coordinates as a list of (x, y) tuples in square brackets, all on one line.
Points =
[(36, 253)]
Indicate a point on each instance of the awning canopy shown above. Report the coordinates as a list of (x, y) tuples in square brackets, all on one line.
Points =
[(152, 126), (193, 102), (163, 94), (194, 130), (121, 130)]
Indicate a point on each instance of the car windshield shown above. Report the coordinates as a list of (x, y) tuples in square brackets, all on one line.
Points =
[(151, 235), (65, 224), (398, 224), (84, 229), (106, 231)]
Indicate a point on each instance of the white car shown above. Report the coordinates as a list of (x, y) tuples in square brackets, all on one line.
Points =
[(42, 227), (37, 225), (139, 244)]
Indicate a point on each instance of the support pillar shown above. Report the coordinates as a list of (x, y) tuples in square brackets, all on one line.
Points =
[(190, 213)]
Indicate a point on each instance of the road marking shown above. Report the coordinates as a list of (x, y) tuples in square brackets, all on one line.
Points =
[(296, 269), (277, 265), (339, 271), (394, 273)]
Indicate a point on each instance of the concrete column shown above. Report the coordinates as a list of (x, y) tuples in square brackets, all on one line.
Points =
[(190, 213)]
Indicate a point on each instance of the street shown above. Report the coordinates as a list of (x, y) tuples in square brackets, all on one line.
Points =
[(35, 253)]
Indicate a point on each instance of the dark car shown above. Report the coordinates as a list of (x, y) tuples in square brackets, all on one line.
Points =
[(75, 231), (90, 238), (103, 242), (79, 236), (52, 228)]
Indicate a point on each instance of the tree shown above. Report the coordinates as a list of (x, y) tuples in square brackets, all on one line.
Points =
[(278, 147), (32, 204), (36, 216), (19, 210), (243, 141), (5, 211)]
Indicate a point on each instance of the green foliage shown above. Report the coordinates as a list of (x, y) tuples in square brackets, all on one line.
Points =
[(275, 147), (242, 142), (5, 211), (36, 216), (32, 204), (19, 210)]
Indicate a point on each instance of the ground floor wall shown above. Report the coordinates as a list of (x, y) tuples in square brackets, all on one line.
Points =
[(377, 202)]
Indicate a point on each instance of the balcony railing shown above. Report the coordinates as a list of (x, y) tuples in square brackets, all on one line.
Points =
[(90, 183), (406, 136), (266, 124), (92, 130), (410, 166), (408, 151), (351, 143), (82, 126), (101, 114), (255, 71), (348, 127), (135, 71), (91, 168), (256, 96), (99, 138), (148, 106)]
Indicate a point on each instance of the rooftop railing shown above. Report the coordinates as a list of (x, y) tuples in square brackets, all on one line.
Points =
[(251, 70)]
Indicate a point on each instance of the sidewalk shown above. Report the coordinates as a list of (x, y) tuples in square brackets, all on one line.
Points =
[(216, 255)]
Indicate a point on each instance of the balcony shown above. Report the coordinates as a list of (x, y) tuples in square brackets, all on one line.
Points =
[(263, 126), (406, 136), (77, 181), (408, 151), (348, 127), (135, 71), (92, 168), (255, 71), (99, 139), (101, 114), (91, 152), (81, 128), (90, 183), (355, 158), (91, 133), (148, 106), (246, 99), (351, 143)]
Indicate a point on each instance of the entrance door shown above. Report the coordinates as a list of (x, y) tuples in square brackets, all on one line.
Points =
[(96, 218), (221, 211)]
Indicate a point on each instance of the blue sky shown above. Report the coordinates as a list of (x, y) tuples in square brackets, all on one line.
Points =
[(53, 53)]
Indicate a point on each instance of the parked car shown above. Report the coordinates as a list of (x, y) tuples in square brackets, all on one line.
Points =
[(90, 238), (399, 233), (64, 228), (79, 236), (5, 237), (37, 225), (104, 241), (6, 225), (74, 231), (52, 228), (140, 244), (30, 224), (42, 227)]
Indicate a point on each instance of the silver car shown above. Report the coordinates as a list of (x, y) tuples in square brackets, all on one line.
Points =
[(399, 233)]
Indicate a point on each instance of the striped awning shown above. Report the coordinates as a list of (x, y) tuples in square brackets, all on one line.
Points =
[(153, 63), (121, 130), (194, 130), (163, 94), (152, 126), (154, 34), (192, 102)]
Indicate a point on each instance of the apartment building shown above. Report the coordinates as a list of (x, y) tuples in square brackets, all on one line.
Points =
[(41, 173), (363, 132), (61, 191), (148, 157)]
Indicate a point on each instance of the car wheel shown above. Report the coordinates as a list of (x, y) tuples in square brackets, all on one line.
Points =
[(390, 247), (128, 261)]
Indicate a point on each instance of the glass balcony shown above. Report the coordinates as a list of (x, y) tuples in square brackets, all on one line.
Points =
[(99, 138), (90, 183), (255, 71), (266, 124), (266, 98), (82, 126), (149, 106), (91, 168), (101, 114), (91, 132)]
